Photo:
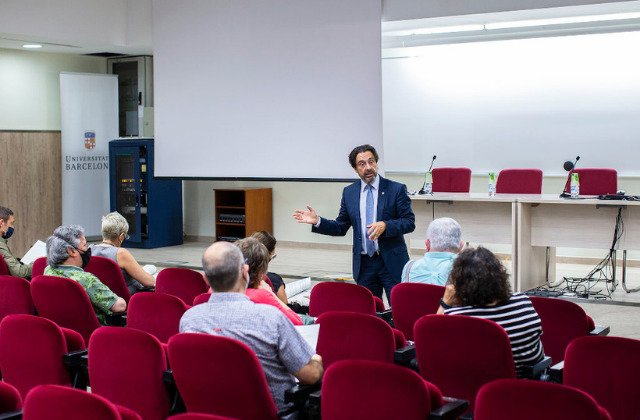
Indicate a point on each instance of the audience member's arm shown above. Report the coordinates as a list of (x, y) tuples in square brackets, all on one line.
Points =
[(119, 306), (449, 298), (282, 295), (311, 372), (131, 266)]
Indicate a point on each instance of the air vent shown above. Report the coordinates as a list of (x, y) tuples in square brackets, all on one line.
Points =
[(106, 54)]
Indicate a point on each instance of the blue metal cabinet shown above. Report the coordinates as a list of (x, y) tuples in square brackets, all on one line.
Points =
[(153, 207)]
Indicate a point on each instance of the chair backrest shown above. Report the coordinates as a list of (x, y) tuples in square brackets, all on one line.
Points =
[(349, 335), (198, 416), (15, 296), (52, 402), (216, 375), (10, 399), (459, 354), (156, 313), (451, 180), (126, 366), (411, 301), (519, 181), (596, 181), (562, 321), (109, 273), (335, 296), (366, 390), (66, 303), (507, 399), (31, 350), (201, 298), (38, 267), (607, 369), (4, 270), (181, 282)]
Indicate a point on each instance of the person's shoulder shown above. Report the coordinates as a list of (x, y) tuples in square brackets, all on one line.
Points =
[(390, 184)]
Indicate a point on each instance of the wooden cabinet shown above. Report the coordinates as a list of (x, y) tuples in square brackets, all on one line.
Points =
[(240, 212)]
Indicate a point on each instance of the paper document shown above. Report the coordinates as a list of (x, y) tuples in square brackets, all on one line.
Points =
[(39, 249), (299, 291), (309, 333)]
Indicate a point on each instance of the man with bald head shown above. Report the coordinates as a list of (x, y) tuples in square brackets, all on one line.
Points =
[(281, 350)]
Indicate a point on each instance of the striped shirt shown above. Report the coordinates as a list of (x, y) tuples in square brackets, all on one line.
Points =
[(521, 322)]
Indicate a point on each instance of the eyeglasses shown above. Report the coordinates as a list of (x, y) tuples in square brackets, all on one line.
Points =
[(363, 163), (126, 235), (273, 257)]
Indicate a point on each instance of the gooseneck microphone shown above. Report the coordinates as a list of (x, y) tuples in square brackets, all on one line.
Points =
[(568, 166), (422, 190)]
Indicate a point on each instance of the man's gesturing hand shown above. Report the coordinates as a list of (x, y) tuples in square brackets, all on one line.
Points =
[(308, 216), (376, 229)]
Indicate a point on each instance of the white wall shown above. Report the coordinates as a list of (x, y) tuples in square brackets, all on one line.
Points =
[(30, 87)]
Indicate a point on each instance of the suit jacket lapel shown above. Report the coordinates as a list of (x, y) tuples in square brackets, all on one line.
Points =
[(382, 197)]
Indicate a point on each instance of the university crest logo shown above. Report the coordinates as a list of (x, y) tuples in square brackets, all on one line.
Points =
[(89, 140)]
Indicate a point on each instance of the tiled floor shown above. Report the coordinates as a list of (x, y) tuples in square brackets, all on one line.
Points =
[(621, 312)]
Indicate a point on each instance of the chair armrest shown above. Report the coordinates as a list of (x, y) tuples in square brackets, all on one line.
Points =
[(537, 370), (451, 410), (147, 289), (118, 319), (404, 355), (11, 415), (74, 358), (386, 316), (600, 330), (299, 394), (555, 372)]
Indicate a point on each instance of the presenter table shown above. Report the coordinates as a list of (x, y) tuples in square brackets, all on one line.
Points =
[(531, 224)]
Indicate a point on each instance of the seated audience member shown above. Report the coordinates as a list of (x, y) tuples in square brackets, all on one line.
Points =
[(67, 255), (480, 288), (257, 257), (269, 241), (16, 268), (115, 230), (443, 245), (281, 350)]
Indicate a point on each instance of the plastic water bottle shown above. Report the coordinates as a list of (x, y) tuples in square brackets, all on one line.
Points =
[(575, 185), (428, 184), (492, 184)]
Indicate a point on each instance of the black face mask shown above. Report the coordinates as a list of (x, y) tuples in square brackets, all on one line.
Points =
[(86, 257)]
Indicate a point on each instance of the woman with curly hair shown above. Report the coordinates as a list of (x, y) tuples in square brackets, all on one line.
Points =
[(479, 287)]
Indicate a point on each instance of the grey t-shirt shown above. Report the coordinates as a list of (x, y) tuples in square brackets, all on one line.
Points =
[(111, 252)]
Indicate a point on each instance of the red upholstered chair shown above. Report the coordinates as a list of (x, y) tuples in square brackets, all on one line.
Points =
[(66, 303), (336, 296), (126, 366), (456, 180), (349, 335), (367, 390), (459, 354), (216, 375), (562, 321), (519, 181), (596, 181), (53, 402), (607, 369), (201, 298), (157, 314), (31, 352), (198, 416), (508, 399), (4, 270), (110, 274), (411, 301), (15, 296), (38, 267), (181, 282), (10, 399)]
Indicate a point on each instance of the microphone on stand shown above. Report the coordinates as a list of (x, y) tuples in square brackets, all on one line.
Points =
[(568, 166), (422, 190)]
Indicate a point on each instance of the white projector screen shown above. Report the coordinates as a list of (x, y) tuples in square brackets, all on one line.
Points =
[(278, 89), (528, 103)]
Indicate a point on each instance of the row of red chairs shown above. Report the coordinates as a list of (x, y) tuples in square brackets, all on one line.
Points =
[(593, 181)]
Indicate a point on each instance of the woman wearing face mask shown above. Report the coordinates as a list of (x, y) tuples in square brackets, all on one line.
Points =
[(67, 256), (114, 233)]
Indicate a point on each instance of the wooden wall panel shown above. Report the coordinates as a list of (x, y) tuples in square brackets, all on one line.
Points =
[(30, 184)]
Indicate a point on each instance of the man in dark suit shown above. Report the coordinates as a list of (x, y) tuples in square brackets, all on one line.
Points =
[(380, 212)]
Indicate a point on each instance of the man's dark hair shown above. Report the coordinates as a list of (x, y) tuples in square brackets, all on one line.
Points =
[(5, 213), (266, 238), (361, 149), (479, 278), (224, 268), (256, 256)]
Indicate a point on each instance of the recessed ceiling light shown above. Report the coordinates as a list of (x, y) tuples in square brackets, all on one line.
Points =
[(32, 46)]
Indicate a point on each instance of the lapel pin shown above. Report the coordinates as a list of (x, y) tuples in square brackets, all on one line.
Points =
[(382, 192)]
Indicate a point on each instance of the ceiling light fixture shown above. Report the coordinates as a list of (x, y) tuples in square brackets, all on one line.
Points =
[(561, 21), (32, 46)]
